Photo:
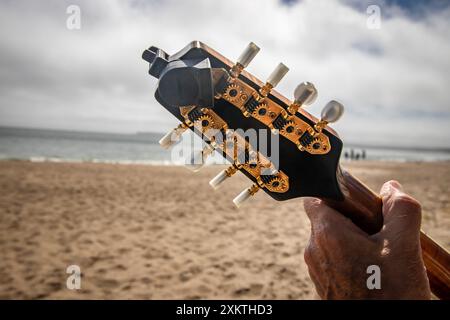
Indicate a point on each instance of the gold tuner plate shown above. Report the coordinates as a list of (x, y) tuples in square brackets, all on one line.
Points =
[(253, 104)]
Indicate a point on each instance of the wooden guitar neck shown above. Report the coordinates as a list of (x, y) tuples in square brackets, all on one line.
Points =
[(437, 262), (364, 208)]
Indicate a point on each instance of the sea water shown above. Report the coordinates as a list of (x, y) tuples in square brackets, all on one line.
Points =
[(70, 146)]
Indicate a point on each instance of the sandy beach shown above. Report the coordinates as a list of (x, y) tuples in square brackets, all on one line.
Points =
[(161, 232)]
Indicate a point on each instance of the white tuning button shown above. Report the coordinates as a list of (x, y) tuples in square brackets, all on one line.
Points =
[(198, 158), (196, 161), (274, 78), (304, 95), (277, 74), (222, 176), (217, 180), (245, 195), (172, 137), (244, 59), (248, 54), (332, 111)]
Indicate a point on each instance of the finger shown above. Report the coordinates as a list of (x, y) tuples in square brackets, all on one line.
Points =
[(326, 219), (311, 206), (319, 213), (312, 254), (401, 212), (390, 187), (317, 284), (312, 257), (391, 184)]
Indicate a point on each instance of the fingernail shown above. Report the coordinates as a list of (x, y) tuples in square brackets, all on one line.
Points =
[(395, 184), (389, 188)]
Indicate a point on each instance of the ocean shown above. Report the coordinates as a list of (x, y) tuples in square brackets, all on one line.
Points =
[(71, 146)]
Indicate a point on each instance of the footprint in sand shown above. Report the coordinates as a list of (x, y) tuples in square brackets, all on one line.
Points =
[(54, 286), (117, 237), (106, 283), (123, 250), (127, 287), (230, 276), (146, 280), (135, 229), (254, 289), (87, 241), (148, 256), (120, 267), (189, 274), (29, 277), (204, 290)]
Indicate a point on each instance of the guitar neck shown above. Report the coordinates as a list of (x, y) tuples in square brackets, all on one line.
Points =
[(437, 262), (364, 207)]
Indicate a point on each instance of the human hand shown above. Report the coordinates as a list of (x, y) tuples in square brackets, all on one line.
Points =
[(339, 253)]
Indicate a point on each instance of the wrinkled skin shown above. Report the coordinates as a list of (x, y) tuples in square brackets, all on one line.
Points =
[(338, 252)]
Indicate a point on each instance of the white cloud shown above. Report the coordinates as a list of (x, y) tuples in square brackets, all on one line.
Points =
[(393, 81)]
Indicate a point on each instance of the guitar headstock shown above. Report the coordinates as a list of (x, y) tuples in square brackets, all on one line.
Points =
[(277, 144)]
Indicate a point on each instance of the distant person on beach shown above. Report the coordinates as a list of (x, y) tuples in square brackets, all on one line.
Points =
[(339, 253)]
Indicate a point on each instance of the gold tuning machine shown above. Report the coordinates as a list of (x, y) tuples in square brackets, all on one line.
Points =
[(332, 111), (245, 195), (173, 136), (273, 80), (198, 159), (222, 176), (304, 95), (244, 59)]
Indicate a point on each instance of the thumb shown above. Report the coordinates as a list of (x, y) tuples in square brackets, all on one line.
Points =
[(402, 213)]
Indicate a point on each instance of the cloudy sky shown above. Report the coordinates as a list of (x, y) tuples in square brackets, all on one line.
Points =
[(394, 81)]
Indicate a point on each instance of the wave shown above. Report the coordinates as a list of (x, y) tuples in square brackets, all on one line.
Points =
[(172, 163), (106, 161)]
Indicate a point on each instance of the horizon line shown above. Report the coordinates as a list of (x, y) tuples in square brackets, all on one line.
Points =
[(136, 133)]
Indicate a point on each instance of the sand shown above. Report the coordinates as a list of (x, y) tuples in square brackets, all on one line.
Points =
[(160, 232)]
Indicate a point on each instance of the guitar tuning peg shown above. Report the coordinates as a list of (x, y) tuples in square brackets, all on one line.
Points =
[(193, 165), (244, 59), (332, 111), (277, 74), (198, 158), (222, 176), (274, 78), (245, 195), (173, 136), (304, 95)]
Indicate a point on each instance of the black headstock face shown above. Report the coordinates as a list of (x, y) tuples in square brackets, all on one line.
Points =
[(298, 156)]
